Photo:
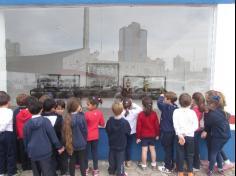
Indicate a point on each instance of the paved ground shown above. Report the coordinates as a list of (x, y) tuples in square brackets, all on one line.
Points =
[(135, 171)]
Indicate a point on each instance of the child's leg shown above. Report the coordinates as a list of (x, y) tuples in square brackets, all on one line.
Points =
[(2, 154), (180, 157), (47, 167), (144, 155), (120, 158), (82, 156), (88, 149), (196, 158), (11, 155), (94, 148), (153, 154), (189, 151), (36, 168), (112, 162), (128, 147)]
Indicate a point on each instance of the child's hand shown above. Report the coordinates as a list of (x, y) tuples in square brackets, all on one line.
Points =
[(157, 138), (138, 141), (204, 135), (181, 140), (61, 150)]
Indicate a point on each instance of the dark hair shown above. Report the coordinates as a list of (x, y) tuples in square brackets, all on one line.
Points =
[(61, 103), (49, 104), (21, 99), (185, 100), (34, 105), (171, 96), (214, 100), (127, 103), (147, 104), (95, 100), (72, 106), (199, 100), (4, 98)]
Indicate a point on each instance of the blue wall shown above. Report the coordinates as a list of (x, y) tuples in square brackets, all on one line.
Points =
[(136, 149), (81, 2)]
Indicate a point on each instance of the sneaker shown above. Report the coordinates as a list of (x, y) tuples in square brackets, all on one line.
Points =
[(142, 167), (125, 174), (95, 172), (196, 170), (228, 166), (221, 172), (164, 169), (128, 164), (87, 172), (210, 173)]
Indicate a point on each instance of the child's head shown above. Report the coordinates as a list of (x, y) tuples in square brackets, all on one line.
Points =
[(60, 107), (73, 105), (222, 100), (34, 105), (117, 108), (185, 100), (198, 100), (93, 102), (21, 99), (147, 105), (170, 97), (127, 103), (4, 99), (49, 105), (214, 100), (43, 98)]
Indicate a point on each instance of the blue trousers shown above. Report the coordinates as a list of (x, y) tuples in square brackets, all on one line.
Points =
[(7, 153)]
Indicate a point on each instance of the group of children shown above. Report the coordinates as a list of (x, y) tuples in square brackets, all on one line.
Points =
[(46, 139)]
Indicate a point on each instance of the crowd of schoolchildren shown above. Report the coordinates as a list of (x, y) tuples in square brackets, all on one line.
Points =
[(51, 137)]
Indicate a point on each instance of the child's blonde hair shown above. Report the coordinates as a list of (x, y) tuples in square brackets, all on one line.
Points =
[(117, 108)]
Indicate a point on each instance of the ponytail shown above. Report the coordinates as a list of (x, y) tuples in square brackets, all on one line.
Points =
[(148, 105), (95, 100), (67, 134)]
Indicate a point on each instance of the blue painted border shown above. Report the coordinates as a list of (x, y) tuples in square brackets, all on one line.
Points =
[(113, 2), (103, 148)]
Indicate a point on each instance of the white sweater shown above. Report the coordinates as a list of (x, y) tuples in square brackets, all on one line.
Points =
[(6, 119), (132, 117), (185, 122)]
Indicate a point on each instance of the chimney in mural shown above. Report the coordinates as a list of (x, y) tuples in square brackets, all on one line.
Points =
[(86, 28)]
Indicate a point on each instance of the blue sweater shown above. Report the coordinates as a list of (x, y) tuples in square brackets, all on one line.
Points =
[(39, 136), (166, 123), (216, 124), (117, 131), (79, 131)]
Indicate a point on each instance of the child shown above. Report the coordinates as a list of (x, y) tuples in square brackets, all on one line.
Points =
[(185, 124), (39, 137), (117, 129), (166, 104), (56, 121), (60, 107), (20, 101), (198, 106), (147, 132), (7, 147), (21, 118), (94, 118), (75, 137), (130, 113), (217, 127)]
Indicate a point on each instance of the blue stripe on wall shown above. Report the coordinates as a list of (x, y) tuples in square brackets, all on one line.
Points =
[(115, 2), (103, 148)]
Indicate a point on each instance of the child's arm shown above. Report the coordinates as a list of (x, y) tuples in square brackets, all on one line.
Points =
[(108, 127), (138, 129), (127, 128), (52, 135), (160, 102), (157, 126), (102, 121)]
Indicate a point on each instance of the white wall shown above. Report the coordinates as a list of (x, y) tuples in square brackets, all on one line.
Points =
[(224, 75), (3, 74)]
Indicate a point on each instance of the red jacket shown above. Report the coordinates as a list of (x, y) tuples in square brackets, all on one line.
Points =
[(21, 118), (94, 119), (199, 115), (147, 126)]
